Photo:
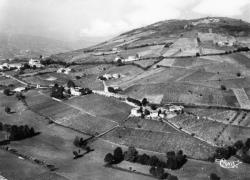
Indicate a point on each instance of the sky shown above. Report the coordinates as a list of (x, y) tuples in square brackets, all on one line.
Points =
[(93, 19)]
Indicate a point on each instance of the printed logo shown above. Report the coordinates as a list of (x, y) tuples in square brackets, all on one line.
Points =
[(227, 163)]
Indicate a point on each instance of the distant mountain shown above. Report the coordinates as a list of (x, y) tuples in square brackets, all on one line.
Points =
[(20, 45)]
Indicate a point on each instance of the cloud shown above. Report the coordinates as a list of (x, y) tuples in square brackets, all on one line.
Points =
[(139, 14), (100, 28), (72, 19), (221, 7)]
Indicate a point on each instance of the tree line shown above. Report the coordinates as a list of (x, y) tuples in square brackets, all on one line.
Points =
[(17, 132), (174, 160)]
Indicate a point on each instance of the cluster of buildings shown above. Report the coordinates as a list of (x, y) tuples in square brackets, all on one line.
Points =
[(206, 21), (35, 63), (106, 77), (7, 66), (120, 59), (156, 113), (11, 66)]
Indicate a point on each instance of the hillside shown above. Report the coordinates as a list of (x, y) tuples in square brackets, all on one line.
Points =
[(170, 31)]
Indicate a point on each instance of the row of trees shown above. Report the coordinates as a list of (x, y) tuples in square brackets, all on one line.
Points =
[(114, 158), (174, 160), (17, 132)]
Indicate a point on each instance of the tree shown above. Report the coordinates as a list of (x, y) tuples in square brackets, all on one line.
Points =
[(76, 141), (146, 112), (247, 143), (143, 159), (7, 109), (153, 161), (223, 87), (20, 96), (109, 159), (6, 92), (70, 84), (57, 91), (160, 172), (118, 155), (197, 54), (144, 102), (214, 176), (152, 171), (238, 144), (131, 154), (222, 152)]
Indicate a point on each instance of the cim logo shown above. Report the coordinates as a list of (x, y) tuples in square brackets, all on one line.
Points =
[(227, 163)]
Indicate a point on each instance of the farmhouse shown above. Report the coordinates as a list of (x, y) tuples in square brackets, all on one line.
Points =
[(19, 89), (149, 112), (119, 59), (4, 66), (135, 112), (15, 66), (109, 76), (35, 63), (131, 58), (75, 92), (7, 66)]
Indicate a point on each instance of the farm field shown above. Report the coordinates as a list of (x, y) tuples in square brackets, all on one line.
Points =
[(101, 106), (180, 92), (145, 124), (161, 142), (70, 116)]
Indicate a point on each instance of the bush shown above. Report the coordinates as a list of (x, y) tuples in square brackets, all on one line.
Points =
[(238, 144), (7, 109), (143, 159), (109, 159), (223, 87), (238, 74), (214, 176), (144, 102), (131, 154), (70, 84), (7, 92), (118, 155)]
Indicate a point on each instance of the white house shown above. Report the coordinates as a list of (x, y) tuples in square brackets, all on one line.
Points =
[(15, 66), (19, 89), (131, 58), (135, 112), (74, 92), (175, 108), (119, 59), (36, 63), (4, 66)]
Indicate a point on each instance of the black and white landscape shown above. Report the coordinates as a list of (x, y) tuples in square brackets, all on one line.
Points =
[(124, 90)]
